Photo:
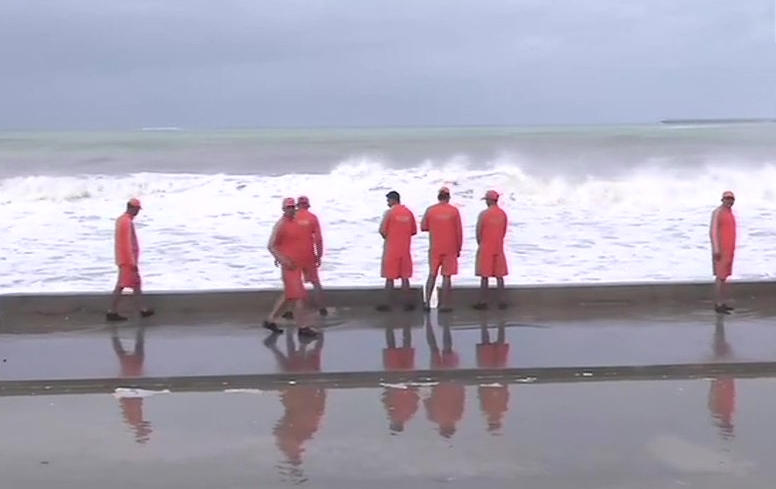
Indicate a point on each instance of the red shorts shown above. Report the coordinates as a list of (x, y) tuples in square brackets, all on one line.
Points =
[(445, 360), (491, 265), (399, 358), (447, 262), (129, 277), (310, 272), (293, 286), (396, 267), (723, 268), (492, 355)]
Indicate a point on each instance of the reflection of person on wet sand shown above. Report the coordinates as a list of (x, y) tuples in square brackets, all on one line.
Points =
[(722, 392), (494, 399), (400, 404), (304, 405), (132, 366), (445, 405)]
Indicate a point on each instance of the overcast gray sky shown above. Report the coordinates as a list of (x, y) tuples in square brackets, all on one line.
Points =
[(83, 64)]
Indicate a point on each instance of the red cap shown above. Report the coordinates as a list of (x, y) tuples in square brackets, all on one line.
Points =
[(133, 202), (727, 194), (303, 199), (289, 202), (444, 189), (491, 195)]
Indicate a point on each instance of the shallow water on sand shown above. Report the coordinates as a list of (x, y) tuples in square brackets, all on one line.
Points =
[(618, 434)]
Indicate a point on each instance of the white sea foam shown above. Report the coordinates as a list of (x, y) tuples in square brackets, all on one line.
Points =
[(210, 231), (131, 393)]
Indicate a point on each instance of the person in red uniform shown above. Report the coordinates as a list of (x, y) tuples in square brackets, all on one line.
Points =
[(722, 391), (445, 404), (722, 232), (288, 246), (304, 405), (494, 399), (127, 252), (132, 367), (397, 228), (491, 262), (315, 244), (442, 221), (400, 404)]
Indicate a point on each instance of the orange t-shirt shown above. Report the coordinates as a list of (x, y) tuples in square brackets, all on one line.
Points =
[(445, 360), (492, 355), (492, 229), (723, 231), (398, 227), (494, 402), (131, 364), (290, 239), (401, 404), (399, 358), (445, 231), (445, 405), (127, 249), (309, 221)]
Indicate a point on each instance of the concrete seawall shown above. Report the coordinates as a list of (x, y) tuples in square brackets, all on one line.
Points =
[(17, 307)]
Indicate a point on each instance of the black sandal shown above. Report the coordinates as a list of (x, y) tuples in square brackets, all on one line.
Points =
[(272, 327), (307, 332)]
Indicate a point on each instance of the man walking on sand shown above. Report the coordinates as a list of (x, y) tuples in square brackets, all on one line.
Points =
[(287, 244), (397, 229), (127, 252), (491, 261), (722, 232), (442, 221)]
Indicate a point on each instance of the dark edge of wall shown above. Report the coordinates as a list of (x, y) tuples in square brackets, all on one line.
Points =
[(16, 306), (376, 379)]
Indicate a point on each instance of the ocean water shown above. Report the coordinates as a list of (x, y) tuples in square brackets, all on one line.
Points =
[(587, 204)]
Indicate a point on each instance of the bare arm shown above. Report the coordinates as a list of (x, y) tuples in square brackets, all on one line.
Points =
[(479, 228), (318, 235), (714, 231), (384, 225), (273, 242), (424, 221), (458, 231)]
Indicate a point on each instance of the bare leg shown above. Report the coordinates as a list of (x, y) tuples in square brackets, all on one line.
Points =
[(446, 295), (270, 323), (501, 293), (390, 338), (409, 304), (388, 297), (280, 304), (116, 298), (318, 298), (484, 334), (303, 320), (430, 284), (139, 303), (447, 339), (406, 337), (721, 296), (118, 348), (483, 303)]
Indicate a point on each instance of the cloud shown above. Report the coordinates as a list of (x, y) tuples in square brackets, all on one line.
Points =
[(378, 61)]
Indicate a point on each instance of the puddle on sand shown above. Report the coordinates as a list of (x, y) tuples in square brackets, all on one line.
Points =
[(557, 435)]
